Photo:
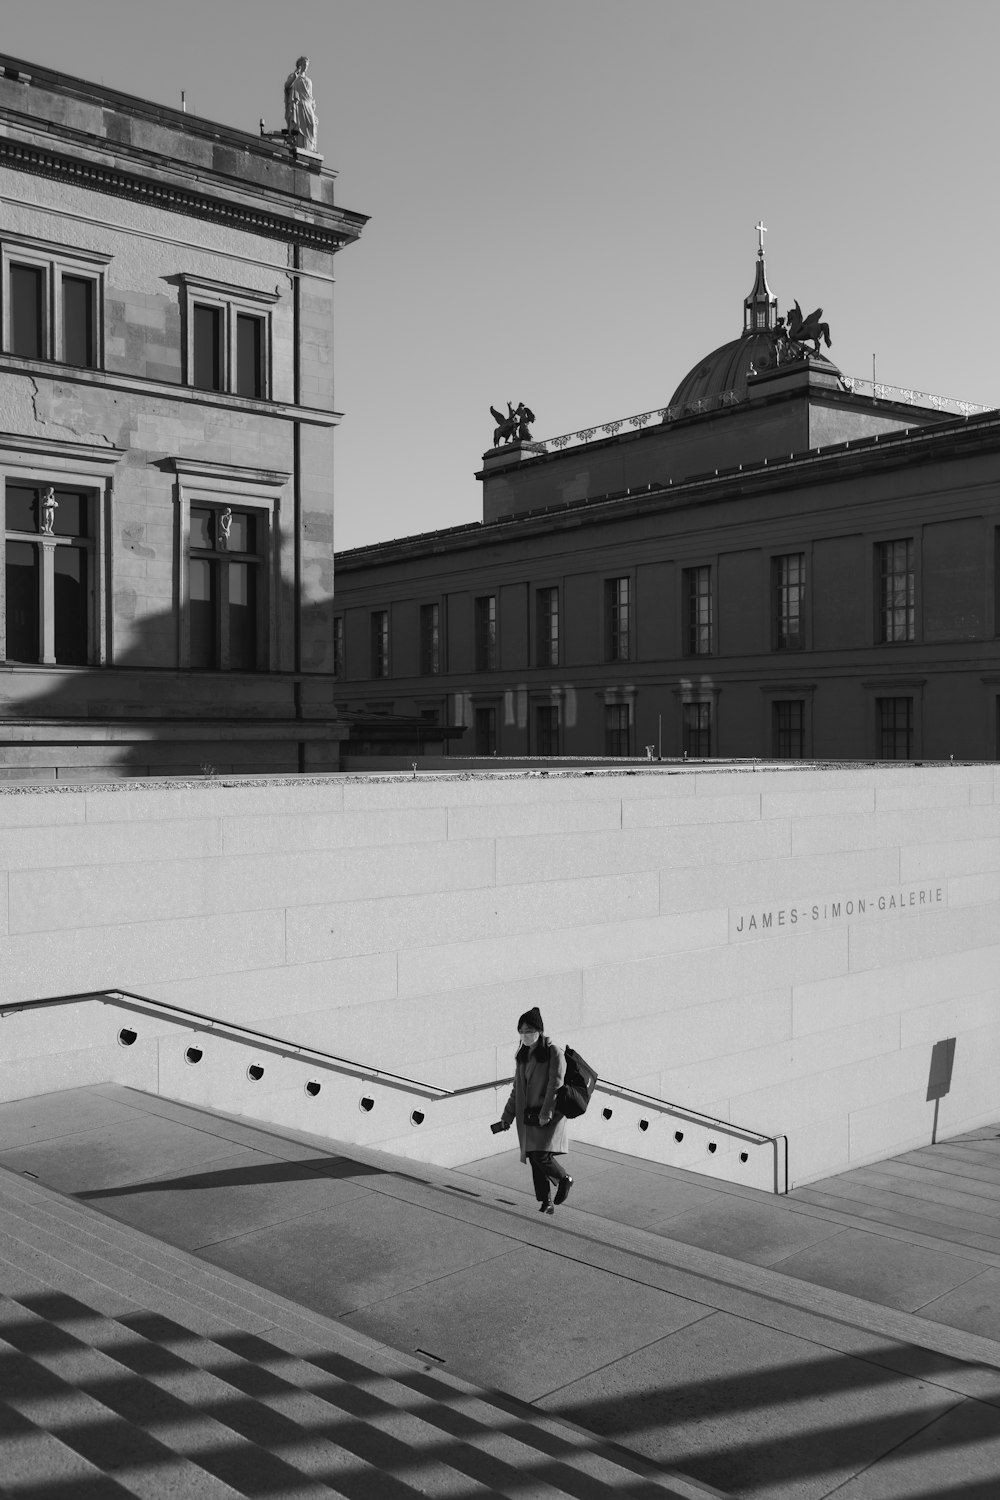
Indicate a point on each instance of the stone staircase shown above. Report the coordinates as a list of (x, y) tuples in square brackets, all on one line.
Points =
[(130, 1368)]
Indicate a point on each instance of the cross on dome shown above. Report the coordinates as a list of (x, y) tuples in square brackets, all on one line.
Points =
[(760, 309)]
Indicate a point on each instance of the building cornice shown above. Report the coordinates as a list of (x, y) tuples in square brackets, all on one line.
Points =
[(22, 445), (296, 226), (201, 468), (817, 466), (139, 385)]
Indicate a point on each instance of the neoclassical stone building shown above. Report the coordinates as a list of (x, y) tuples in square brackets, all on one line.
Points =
[(777, 563), (166, 426)]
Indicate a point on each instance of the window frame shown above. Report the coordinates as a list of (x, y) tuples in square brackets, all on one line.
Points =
[(617, 735), (56, 262), (885, 625), (548, 740), (692, 596), (216, 486), (884, 729), (46, 547), (339, 648), (779, 730), (618, 643), (782, 590), (487, 632), (220, 560), (692, 733), (232, 302), (486, 706), (379, 644), (786, 691), (430, 641), (547, 626)]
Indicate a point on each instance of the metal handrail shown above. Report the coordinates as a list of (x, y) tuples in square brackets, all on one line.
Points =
[(129, 1000), (622, 1090), (665, 415)]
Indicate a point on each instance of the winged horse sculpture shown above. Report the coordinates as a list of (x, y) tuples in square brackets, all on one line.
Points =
[(807, 330), (514, 426)]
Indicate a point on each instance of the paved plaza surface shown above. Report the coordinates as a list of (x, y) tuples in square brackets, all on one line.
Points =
[(197, 1305)]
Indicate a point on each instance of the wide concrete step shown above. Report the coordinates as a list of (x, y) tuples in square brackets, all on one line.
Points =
[(947, 1193), (131, 1368), (765, 1346)]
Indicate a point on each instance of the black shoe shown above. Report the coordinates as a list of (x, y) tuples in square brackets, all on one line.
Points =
[(562, 1191), (546, 1208)]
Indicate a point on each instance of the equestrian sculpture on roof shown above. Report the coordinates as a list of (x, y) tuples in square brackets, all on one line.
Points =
[(512, 428)]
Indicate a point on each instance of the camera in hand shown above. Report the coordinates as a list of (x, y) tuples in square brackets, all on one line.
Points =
[(497, 1126)]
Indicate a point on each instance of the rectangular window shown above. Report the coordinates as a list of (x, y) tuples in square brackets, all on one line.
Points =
[(71, 603), (225, 583), (486, 729), (430, 640), (788, 728), (48, 575), (23, 580), (380, 643), (618, 611), (204, 601), (896, 590), (895, 728), (486, 633), (698, 610), (698, 730), (242, 607), (249, 355), (547, 636), (52, 301), (79, 345), (227, 337), (789, 575), (27, 311), (617, 729), (547, 729), (207, 333), (338, 646)]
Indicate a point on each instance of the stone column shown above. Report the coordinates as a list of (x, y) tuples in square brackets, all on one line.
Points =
[(47, 601)]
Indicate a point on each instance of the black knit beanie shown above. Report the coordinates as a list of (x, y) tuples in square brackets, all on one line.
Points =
[(532, 1019)]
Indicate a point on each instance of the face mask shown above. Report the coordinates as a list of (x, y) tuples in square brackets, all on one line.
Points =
[(529, 1038)]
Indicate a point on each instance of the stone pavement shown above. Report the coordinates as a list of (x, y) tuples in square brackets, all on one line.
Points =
[(700, 1326)]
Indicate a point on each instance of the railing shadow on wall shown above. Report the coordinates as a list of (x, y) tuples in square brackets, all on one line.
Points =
[(117, 1036)]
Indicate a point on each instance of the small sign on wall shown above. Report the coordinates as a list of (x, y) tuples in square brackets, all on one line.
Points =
[(777, 919)]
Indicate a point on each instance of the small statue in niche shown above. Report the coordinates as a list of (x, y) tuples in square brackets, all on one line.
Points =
[(48, 510), (301, 121), (225, 527), (512, 428)]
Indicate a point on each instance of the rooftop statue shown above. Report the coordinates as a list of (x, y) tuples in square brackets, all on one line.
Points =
[(800, 330), (300, 108), (512, 428)]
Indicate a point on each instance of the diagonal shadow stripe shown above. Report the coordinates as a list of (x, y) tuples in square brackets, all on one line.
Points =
[(249, 1176)]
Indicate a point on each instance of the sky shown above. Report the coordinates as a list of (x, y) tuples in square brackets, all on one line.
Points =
[(563, 196)]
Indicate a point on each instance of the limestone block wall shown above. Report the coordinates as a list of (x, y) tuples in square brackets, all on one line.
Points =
[(784, 948)]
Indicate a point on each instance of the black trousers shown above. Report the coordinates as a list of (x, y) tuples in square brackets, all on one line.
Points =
[(547, 1171)]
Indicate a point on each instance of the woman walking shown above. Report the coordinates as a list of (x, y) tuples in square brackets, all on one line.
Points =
[(540, 1067)]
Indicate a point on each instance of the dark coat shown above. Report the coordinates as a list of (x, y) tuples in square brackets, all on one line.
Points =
[(535, 1083)]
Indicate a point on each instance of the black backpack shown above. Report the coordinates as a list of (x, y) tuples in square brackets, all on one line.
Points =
[(573, 1096)]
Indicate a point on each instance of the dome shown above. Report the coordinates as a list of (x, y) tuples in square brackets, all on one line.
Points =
[(725, 369), (720, 379)]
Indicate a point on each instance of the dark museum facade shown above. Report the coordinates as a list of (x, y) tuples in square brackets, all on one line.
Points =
[(773, 565)]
